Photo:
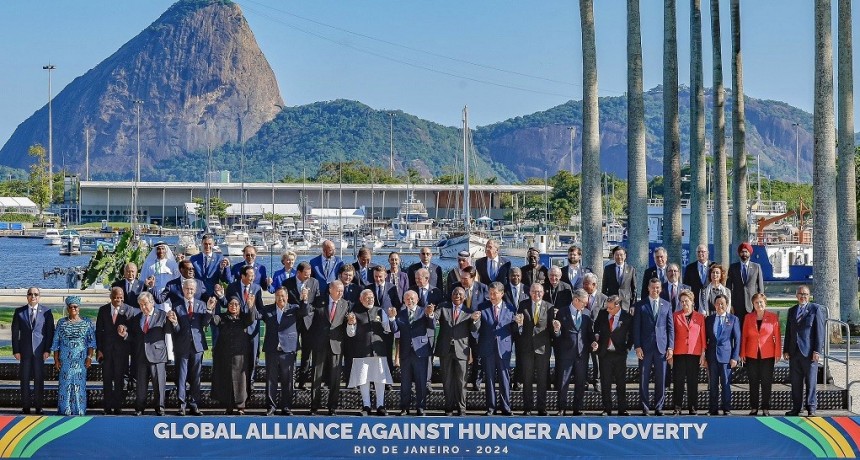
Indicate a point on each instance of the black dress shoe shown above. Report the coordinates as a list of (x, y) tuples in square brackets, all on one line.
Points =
[(576, 413), (117, 411), (606, 413), (332, 412), (713, 412), (420, 412), (138, 413), (448, 413), (527, 413), (645, 413), (488, 413), (727, 412), (39, 412), (25, 411), (159, 413), (403, 412), (754, 412), (195, 412), (365, 411), (692, 411), (765, 413), (286, 412), (676, 412), (381, 412), (516, 387), (792, 413), (542, 413), (623, 413), (313, 412), (658, 413), (181, 412), (810, 413), (561, 413), (270, 412)]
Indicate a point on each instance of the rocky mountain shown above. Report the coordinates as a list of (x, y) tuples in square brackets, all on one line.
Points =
[(197, 70)]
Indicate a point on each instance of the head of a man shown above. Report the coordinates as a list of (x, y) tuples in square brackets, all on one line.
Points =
[(346, 273), (496, 292), (303, 271), (186, 269), (249, 254), (536, 292), (467, 278), (129, 272), (589, 283), (554, 275), (33, 295), (335, 290), (491, 249), (660, 257), (702, 253), (247, 274), (281, 297), (117, 297), (673, 273), (327, 249), (619, 254), (574, 255), (189, 287), (654, 288), (515, 276), (426, 255)]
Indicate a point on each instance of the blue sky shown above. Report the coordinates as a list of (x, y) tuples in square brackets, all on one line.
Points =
[(502, 58)]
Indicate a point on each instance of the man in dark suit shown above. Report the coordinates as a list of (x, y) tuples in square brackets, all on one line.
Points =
[(453, 347), (148, 329), (280, 345), (556, 291), (112, 351), (326, 265), (385, 297), (351, 290), (248, 293), (696, 273), (658, 270), (533, 271), (673, 286), (612, 334), (173, 290), (492, 267), (463, 260), (533, 337), (475, 292), (131, 286), (745, 279), (417, 328), (515, 289), (189, 343), (326, 325), (654, 339), (495, 324), (363, 268), (804, 344), (210, 267), (572, 272), (434, 271), (619, 279), (723, 338), (595, 304), (260, 276), (573, 341), (32, 334), (428, 294), (305, 290)]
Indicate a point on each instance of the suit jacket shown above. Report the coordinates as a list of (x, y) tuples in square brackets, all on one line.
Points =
[(283, 334), (626, 289), (294, 295), (454, 278), (533, 337), (434, 296), (707, 296), (597, 303), (130, 295), (653, 336), (509, 294), (559, 296), (805, 335), (280, 277), (108, 339), (173, 292), (32, 340), (415, 335), (351, 292), (576, 282), (260, 276), (689, 337), (651, 272), (235, 289), (727, 345), (324, 332), (191, 336), (454, 334), (621, 336), (480, 294), (436, 277), (150, 345), (573, 343), (400, 281), (211, 273), (483, 269), (533, 275), (368, 278), (389, 296), (676, 302), (495, 336), (693, 279), (765, 340), (742, 292), (318, 270)]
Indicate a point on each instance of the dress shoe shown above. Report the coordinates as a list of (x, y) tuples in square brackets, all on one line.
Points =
[(107, 412), (576, 413), (138, 413), (420, 412), (286, 412), (332, 412), (195, 412), (117, 411), (488, 413), (561, 413), (181, 413), (727, 412), (810, 413), (765, 413), (39, 412), (676, 412), (645, 413), (527, 413), (240, 412), (460, 413), (692, 411), (448, 413), (541, 413), (792, 413), (25, 411), (403, 412), (506, 413), (159, 413), (754, 412), (623, 413), (658, 413), (606, 413), (313, 412), (713, 412), (270, 412), (365, 411), (381, 412)]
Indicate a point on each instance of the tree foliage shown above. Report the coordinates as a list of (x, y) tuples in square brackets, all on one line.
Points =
[(40, 190), (217, 206)]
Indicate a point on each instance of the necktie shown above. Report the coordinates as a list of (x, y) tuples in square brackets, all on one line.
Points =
[(611, 328), (411, 315), (247, 295), (672, 294), (493, 269), (719, 325), (379, 294), (205, 263), (620, 272), (33, 312), (800, 311), (516, 294), (331, 312), (469, 297), (536, 308), (496, 311), (424, 297), (590, 301), (744, 273), (661, 275), (703, 273), (363, 274), (115, 312), (128, 286), (146, 324), (456, 312), (327, 267), (656, 309), (190, 310), (571, 274), (577, 320)]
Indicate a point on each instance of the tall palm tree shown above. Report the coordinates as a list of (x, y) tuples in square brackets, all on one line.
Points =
[(740, 226), (718, 144), (592, 234), (825, 264), (637, 180), (846, 190), (671, 136), (699, 192)]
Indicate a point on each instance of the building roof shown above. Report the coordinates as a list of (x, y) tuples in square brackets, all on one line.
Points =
[(16, 202)]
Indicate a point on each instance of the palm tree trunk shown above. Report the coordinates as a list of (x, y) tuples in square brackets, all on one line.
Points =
[(825, 264), (637, 174), (671, 136), (592, 234), (740, 227), (846, 190), (698, 183), (718, 143)]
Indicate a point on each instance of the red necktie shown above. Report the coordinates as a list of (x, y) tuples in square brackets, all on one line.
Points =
[(456, 312), (190, 310), (611, 324), (114, 315), (146, 325), (247, 295), (331, 312)]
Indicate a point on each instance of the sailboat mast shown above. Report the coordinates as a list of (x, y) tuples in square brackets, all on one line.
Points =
[(466, 213)]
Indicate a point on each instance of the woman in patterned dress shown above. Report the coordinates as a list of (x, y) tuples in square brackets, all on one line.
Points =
[(73, 347)]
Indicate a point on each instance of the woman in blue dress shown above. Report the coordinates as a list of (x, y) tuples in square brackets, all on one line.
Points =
[(73, 347)]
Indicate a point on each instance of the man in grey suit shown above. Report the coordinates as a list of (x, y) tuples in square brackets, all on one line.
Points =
[(804, 344), (745, 280), (32, 334), (189, 343), (533, 340), (148, 329), (619, 279), (280, 345), (452, 348), (596, 304)]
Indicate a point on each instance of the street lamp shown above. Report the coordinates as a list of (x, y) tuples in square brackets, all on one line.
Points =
[(137, 104), (796, 152), (50, 68)]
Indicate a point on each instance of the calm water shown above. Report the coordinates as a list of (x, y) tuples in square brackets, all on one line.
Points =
[(24, 261)]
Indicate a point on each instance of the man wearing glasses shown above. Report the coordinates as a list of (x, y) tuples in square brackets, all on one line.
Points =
[(32, 334), (804, 344), (673, 286), (250, 256), (434, 270)]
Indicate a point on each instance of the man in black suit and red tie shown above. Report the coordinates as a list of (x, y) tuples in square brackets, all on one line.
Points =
[(612, 333), (112, 351), (573, 342), (619, 278)]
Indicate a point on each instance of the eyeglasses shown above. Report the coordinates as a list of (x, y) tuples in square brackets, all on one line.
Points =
[(72, 306), (33, 294)]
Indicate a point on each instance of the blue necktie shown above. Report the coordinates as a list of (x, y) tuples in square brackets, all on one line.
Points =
[(744, 273), (719, 326)]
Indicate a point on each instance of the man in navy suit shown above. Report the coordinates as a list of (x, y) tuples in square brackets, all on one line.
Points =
[(385, 297), (619, 279), (476, 292), (363, 268), (658, 270), (189, 343), (248, 293), (304, 290), (515, 290), (148, 329), (572, 272), (351, 290), (612, 334), (32, 334), (673, 286), (434, 271), (131, 286), (174, 290), (723, 339), (210, 267), (326, 265), (280, 345), (326, 325), (495, 324), (493, 267), (804, 343), (112, 351), (427, 293), (416, 336), (250, 256), (573, 338), (654, 339)]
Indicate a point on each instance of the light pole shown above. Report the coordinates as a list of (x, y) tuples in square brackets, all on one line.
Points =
[(572, 130), (50, 68), (796, 152), (391, 142), (137, 104)]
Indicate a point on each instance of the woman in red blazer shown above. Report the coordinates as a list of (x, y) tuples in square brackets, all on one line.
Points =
[(761, 348), (688, 355)]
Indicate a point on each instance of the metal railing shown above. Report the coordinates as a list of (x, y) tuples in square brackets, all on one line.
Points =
[(827, 357)]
